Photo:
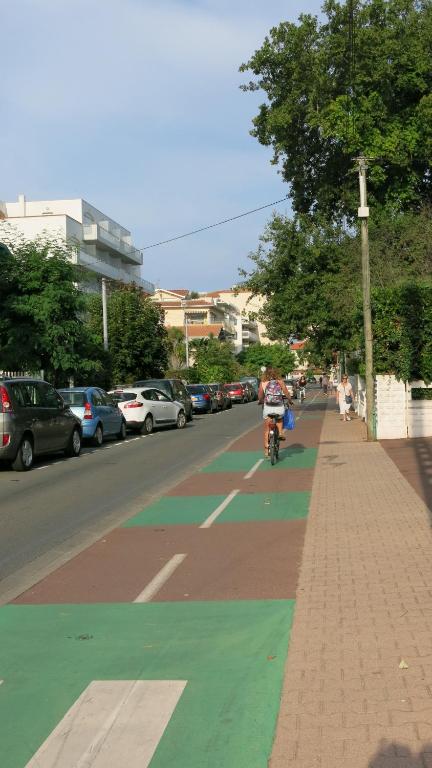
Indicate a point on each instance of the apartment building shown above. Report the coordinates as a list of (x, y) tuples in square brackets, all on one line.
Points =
[(100, 244), (227, 314), (204, 316)]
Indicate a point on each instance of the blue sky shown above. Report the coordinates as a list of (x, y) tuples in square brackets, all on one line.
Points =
[(135, 106)]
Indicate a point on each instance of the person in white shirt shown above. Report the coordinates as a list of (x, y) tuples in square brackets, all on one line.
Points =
[(345, 397)]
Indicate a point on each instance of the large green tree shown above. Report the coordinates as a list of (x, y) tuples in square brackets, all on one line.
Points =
[(42, 311), (334, 90), (270, 355), (215, 361), (137, 337)]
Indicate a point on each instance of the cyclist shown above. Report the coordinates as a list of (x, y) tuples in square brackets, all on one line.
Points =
[(302, 386), (271, 394)]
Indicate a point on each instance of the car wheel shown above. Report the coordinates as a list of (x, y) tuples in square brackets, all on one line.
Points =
[(189, 417), (23, 461), (98, 436), (73, 447), (181, 420), (122, 434), (147, 427)]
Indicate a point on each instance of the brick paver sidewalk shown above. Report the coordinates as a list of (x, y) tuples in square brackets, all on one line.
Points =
[(364, 604)]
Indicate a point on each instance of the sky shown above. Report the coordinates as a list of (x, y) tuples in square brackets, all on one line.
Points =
[(135, 106)]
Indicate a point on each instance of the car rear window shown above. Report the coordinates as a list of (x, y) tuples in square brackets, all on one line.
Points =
[(74, 398), (196, 390), (122, 397), (234, 386)]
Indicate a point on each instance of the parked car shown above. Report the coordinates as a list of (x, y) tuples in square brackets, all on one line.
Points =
[(35, 420), (100, 417), (291, 387), (174, 388), (254, 383), (147, 408), (236, 392), (222, 397), (203, 398)]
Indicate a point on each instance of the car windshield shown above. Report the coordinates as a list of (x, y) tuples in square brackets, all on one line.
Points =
[(196, 389), (74, 398), (214, 387), (236, 385)]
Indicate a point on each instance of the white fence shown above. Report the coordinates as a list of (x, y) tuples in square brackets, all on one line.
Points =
[(397, 414)]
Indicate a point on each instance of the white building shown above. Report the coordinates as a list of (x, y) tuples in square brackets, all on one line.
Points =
[(100, 244)]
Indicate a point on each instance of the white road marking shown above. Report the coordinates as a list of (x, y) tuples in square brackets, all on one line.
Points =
[(46, 466), (112, 723), (253, 470), (211, 518), (159, 580)]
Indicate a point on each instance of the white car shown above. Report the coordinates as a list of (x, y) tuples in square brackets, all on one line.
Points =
[(146, 408)]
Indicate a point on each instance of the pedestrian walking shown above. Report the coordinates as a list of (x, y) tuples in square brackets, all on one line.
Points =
[(320, 381), (345, 397), (325, 383)]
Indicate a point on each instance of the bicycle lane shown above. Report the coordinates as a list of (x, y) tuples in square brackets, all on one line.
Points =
[(165, 642)]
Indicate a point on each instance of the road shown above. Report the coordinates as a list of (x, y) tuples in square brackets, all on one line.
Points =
[(164, 641), (63, 504)]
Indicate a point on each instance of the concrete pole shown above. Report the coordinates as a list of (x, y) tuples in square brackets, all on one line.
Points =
[(104, 314), (363, 213)]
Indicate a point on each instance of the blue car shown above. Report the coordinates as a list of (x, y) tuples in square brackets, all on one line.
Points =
[(99, 414), (203, 398)]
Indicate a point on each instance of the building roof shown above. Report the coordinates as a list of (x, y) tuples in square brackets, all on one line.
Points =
[(188, 304), (177, 291), (297, 345)]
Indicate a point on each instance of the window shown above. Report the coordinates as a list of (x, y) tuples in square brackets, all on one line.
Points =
[(161, 396), (96, 397), (48, 397), (74, 398)]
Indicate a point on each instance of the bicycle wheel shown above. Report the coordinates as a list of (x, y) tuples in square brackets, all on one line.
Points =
[(273, 447)]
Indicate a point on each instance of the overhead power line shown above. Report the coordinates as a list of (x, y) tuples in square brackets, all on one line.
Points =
[(210, 226)]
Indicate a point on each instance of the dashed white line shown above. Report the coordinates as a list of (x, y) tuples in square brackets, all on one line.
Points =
[(253, 470), (218, 511), (159, 580)]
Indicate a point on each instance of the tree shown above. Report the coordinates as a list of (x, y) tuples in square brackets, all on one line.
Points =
[(275, 355), (215, 361), (43, 310), (176, 347), (137, 336), (309, 273), (333, 91)]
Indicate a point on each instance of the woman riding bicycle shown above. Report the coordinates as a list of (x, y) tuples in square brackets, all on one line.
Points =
[(271, 394), (302, 386)]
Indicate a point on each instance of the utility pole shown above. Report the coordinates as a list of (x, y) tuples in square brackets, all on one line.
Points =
[(363, 214), (186, 339), (104, 314)]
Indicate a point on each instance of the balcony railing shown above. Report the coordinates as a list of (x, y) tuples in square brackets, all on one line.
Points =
[(95, 233), (106, 270)]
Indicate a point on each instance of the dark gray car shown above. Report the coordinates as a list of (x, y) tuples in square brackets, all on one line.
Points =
[(174, 388), (35, 420)]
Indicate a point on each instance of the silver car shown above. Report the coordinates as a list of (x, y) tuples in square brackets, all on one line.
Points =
[(34, 420)]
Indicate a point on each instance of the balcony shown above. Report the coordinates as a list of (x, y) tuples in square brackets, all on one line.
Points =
[(99, 235), (112, 273)]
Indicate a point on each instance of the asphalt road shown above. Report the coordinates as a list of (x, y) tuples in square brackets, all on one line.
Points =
[(62, 504)]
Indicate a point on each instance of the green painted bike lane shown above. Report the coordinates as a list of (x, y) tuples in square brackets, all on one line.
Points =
[(230, 653)]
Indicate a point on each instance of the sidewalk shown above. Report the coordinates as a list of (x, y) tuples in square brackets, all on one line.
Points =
[(364, 604)]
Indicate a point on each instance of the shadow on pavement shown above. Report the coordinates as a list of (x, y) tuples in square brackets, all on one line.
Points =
[(413, 458), (396, 755)]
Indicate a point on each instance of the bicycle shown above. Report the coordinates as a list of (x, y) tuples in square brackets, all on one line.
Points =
[(274, 440)]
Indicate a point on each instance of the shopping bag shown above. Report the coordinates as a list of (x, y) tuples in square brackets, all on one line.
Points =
[(289, 419)]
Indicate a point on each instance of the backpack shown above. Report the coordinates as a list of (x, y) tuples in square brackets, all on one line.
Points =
[(273, 394)]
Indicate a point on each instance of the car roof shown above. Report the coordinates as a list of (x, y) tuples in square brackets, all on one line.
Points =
[(129, 389), (76, 389)]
